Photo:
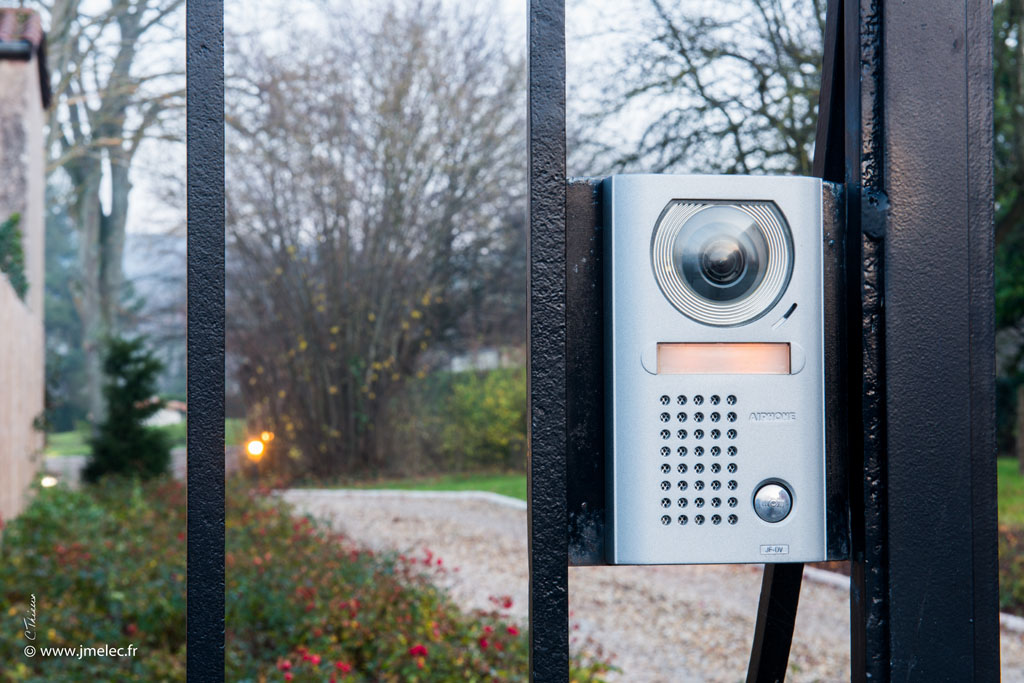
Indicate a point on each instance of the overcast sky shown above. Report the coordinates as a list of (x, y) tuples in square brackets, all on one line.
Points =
[(596, 34)]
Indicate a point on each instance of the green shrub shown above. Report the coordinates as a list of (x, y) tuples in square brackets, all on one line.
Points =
[(12, 254), (486, 420), (124, 445), (460, 422), (107, 565)]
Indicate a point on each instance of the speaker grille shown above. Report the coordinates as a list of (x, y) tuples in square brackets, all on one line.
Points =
[(692, 461)]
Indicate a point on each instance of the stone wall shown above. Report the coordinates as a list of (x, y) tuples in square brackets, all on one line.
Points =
[(22, 343)]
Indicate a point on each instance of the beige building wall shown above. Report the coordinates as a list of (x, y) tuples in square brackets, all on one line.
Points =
[(22, 351)]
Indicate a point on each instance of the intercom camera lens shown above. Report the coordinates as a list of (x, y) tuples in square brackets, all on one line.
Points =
[(722, 260), (721, 254), (722, 264)]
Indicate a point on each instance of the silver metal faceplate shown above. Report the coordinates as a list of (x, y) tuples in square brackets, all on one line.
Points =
[(779, 423)]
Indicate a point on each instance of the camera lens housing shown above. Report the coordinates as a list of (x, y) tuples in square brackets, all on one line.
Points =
[(722, 264)]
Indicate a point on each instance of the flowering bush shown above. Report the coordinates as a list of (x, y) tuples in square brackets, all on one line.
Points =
[(107, 566), (1011, 569)]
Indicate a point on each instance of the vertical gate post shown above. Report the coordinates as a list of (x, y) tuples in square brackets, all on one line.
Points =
[(546, 464), (205, 140), (919, 181)]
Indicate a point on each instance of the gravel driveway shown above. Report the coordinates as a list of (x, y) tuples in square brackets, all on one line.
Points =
[(666, 623)]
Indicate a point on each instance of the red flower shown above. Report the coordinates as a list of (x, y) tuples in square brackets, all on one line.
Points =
[(513, 631), (288, 677), (315, 659), (483, 643), (488, 629), (284, 665), (344, 667), (131, 629), (418, 650)]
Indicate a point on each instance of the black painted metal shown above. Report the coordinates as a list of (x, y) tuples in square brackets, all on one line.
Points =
[(584, 372), (917, 166), (929, 191), (546, 468), (862, 119), (837, 461), (776, 616), (205, 137)]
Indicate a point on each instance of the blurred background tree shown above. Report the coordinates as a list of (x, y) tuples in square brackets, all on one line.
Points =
[(116, 83), (703, 87), (375, 221)]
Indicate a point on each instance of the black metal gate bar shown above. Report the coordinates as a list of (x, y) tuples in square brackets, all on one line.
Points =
[(549, 602), (776, 617), (930, 190), (205, 140), (865, 226)]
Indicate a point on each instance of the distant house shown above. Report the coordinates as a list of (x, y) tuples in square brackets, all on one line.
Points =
[(489, 358), (24, 96)]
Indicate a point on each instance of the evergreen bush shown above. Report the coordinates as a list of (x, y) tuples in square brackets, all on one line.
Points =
[(12, 255), (123, 444)]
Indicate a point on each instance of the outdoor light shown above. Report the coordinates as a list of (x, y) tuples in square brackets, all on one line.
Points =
[(267, 437), (49, 481), (255, 450)]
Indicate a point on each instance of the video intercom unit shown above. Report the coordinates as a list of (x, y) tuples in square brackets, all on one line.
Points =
[(714, 370)]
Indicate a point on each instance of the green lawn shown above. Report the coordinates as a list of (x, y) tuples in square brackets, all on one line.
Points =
[(75, 442), (1011, 493), (513, 485)]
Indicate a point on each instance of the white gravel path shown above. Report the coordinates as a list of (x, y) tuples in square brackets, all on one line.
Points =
[(666, 623)]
